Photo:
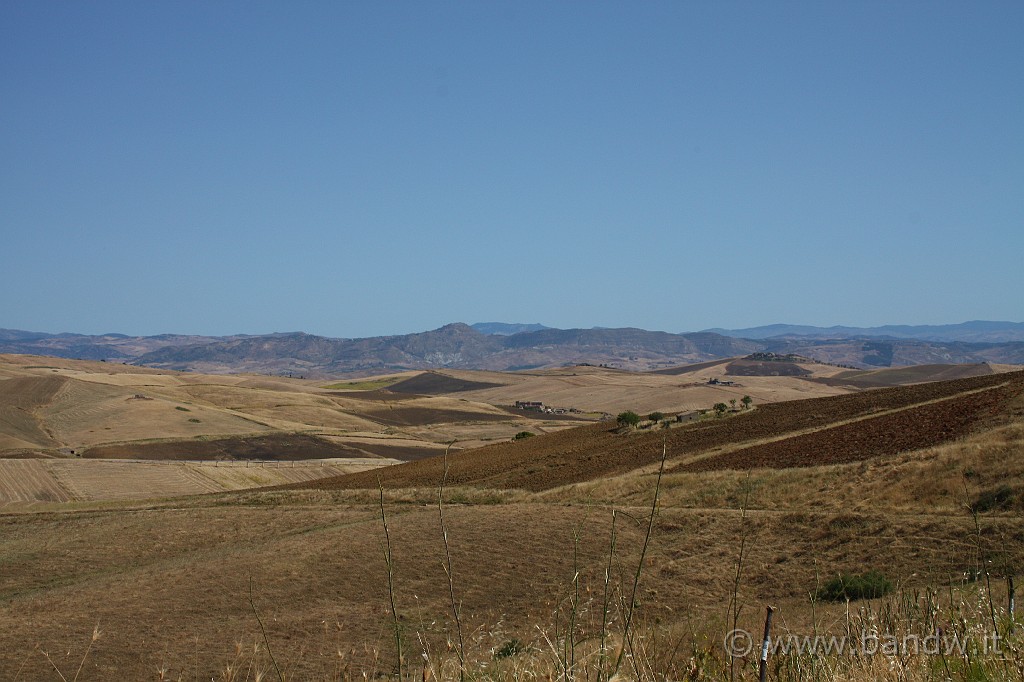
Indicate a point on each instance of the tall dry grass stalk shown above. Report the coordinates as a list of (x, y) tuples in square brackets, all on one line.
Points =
[(631, 606), (447, 566), (389, 562), (734, 602), (263, 631)]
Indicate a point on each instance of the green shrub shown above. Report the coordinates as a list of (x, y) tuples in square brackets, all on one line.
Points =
[(843, 587), (628, 418), (523, 435), (656, 416), (509, 649), (183, 409)]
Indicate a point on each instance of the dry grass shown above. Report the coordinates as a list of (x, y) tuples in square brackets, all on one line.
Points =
[(169, 585)]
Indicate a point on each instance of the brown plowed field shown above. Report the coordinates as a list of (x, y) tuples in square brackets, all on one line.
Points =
[(274, 447), (406, 453), (765, 368), (424, 416), (897, 376), (590, 452), (378, 395), (889, 434), (435, 383), (687, 369)]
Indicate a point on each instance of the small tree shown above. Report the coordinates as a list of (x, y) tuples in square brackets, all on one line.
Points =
[(720, 409), (628, 418), (522, 435), (733, 404), (746, 400), (656, 416)]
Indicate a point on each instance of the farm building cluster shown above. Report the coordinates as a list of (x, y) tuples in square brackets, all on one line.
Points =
[(538, 406)]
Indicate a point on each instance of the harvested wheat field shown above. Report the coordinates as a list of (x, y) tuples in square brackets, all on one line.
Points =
[(33, 483)]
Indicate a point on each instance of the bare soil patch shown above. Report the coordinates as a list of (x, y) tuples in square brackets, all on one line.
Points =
[(377, 395), (423, 416), (904, 375), (765, 368), (405, 453), (435, 383), (687, 369), (271, 447)]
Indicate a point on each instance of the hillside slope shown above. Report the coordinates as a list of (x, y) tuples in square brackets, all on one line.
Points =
[(884, 421)]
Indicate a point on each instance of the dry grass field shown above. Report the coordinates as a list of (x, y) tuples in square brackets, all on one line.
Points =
[(547, 538)]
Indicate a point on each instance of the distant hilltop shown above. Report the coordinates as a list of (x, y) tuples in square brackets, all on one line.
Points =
[(506, 328), (522, 347)]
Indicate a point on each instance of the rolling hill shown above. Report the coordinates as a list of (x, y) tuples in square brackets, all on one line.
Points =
[(799, 433), (920, 482)]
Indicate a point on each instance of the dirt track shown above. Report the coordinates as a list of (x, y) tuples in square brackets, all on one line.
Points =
[(888, 434), (590, 452)]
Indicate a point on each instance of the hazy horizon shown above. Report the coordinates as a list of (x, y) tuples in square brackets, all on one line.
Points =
[(550, 326)]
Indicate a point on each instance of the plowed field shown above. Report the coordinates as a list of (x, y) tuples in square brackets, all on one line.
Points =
[(434, 383), (273, 447), (889, 434)]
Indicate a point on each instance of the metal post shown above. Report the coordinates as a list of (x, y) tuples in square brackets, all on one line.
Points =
[(1012, 599), (765, 642)]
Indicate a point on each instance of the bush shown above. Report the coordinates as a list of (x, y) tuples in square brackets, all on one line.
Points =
[(509, 649), (992, 500), (721, 408), (656, 416), (843, 587), (523, 435), (628, 418)]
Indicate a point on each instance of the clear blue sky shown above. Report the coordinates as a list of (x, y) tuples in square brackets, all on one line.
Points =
[(364, 168)]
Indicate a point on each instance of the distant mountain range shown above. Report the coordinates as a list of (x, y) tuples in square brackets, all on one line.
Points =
[(977, 331), (505, 346)]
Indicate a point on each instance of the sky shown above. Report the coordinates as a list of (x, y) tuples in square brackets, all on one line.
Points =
[(364, 168)]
